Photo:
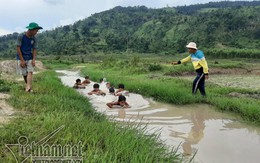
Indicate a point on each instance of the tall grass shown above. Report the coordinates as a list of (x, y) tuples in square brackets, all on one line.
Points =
[(233, 53), (53, 105), (4, 85), (166, 89)]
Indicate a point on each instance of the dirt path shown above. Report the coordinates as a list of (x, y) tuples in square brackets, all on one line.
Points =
[(223, 71), (8, 72), (8, 68), (6, 111)]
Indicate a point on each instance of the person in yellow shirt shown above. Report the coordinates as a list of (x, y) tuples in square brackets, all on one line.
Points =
[(200, 65)]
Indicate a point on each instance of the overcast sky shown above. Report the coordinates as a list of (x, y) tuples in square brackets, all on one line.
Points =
[(15, 15)]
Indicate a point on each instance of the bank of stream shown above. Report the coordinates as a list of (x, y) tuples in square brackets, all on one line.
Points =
[(215, 136)]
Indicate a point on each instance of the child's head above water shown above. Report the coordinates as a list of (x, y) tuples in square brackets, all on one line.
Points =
[(121, 86), (121, 98), (78, 81), (111, 90), (96, 85)]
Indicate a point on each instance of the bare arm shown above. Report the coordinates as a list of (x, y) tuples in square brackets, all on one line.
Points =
[(22, 63), (110, 105), (126, 105), (118, 94), (206, 76), (101, 93), (175, 63), (34, 57), (91, 93)]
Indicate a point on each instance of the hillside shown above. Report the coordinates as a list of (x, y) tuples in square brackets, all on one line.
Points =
[(145, 30)]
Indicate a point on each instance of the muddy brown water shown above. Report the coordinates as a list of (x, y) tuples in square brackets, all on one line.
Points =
[(216, 136)]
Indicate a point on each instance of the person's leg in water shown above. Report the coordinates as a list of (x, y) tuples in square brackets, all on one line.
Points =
[(196, 82)]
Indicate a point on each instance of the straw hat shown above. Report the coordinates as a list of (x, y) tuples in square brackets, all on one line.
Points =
[(192, 45)]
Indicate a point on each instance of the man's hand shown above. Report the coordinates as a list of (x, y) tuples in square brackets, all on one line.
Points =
[(174, 63), (206, 77), (33, 63), (22, 63)]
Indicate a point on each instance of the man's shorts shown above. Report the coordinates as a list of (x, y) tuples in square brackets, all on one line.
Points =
[(24, 70)]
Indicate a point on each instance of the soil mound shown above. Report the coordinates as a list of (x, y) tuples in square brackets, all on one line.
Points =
[(252, 95), (9, 66), (213, 71)]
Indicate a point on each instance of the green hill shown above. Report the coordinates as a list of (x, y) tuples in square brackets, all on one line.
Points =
[(141, 29)]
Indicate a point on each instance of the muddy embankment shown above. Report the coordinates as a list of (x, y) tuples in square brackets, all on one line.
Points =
[(8, 68), (8, 72), (6, 111)]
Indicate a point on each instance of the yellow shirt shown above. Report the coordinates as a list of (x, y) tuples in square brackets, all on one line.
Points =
[(198, 60)]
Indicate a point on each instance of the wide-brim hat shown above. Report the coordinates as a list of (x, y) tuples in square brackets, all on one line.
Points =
[(33, 25), (192, 45)]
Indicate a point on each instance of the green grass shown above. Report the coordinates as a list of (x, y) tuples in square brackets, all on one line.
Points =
[(5, 86), (57, 64), (227, 64), (233, 53), (53, 105), (177, 91)]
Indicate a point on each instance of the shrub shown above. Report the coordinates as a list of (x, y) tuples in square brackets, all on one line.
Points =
[(154, 67), (4, 86)]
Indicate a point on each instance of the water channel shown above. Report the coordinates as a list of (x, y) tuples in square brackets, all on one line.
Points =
[(216, 136)]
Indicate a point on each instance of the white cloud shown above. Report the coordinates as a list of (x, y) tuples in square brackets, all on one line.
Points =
[(4, 32), (54, 2), (66, 21), (20, 29)]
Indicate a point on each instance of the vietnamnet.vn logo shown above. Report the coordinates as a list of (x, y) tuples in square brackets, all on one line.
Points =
[(41, 151)]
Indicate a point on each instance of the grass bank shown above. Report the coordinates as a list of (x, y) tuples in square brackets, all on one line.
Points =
[(53, 105), (175, 90), (4, 86)]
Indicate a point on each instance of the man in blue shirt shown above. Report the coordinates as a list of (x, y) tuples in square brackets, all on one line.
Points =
[(26, 46)]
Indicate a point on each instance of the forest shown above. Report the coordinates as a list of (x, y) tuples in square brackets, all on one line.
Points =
[(215, 27)]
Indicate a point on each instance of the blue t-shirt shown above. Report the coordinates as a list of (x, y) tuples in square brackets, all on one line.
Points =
[(26, 45), (199, 55)]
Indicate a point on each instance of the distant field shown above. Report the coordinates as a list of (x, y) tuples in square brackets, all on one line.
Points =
[(235, 81)]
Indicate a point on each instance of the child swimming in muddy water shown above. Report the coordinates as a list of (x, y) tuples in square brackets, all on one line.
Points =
[(108, 85), (96, 90), (79, 85), (121, 102), (86, 81), (112, 91), (121, 90), (110, 88)]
